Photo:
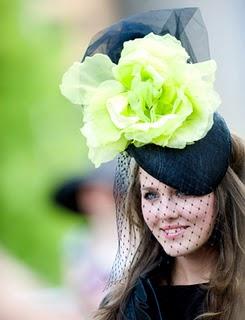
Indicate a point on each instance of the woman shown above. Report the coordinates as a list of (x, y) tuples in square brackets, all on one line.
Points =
[(208, 277), (179, 187)]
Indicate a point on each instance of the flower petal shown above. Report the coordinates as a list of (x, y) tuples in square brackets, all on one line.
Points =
[(98, 127), (81, 80), (161, 47), (107, 152), (194, 128), (145, 132), (119, 112), (98, 103)]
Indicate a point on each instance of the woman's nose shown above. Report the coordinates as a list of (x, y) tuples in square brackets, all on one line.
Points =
[(170, 208)]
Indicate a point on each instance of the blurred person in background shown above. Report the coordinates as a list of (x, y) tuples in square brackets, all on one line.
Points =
[(90, 249)]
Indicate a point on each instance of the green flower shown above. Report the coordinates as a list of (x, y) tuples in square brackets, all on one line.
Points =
[(151, 96)]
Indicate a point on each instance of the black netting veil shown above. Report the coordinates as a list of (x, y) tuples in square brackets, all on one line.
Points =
[(128, 237), (185, 24)]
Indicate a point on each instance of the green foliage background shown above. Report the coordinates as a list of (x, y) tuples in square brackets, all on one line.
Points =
[(39, 139)]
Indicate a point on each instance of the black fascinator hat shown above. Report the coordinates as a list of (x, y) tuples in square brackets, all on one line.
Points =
[(195, 170), (197, 167)]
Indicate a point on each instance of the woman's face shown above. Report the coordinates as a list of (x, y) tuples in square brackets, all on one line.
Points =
[(181, 223)]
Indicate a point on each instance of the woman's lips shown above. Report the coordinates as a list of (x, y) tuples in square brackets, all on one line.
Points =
[(173, 232)]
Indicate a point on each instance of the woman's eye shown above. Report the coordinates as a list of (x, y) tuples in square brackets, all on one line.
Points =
[(151, 195)]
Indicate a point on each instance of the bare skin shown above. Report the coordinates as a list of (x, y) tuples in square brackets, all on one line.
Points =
[(194, 268)]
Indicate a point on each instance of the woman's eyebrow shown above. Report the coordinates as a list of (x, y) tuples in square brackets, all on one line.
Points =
[(149, 188)]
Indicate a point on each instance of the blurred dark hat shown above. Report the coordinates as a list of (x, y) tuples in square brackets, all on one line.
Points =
[(66, 194)]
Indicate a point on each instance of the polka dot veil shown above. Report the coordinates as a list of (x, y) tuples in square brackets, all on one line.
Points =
[(180, 223)]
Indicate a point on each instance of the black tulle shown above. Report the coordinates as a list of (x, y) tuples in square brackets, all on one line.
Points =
[(185, 24)]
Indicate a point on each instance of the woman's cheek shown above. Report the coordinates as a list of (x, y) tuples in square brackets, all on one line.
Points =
[(150, 216)]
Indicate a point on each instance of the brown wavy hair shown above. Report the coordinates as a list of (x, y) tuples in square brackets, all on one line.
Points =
[(226, 288)]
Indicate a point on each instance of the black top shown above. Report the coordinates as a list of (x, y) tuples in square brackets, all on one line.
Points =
[(183, 302), (150, 300)]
